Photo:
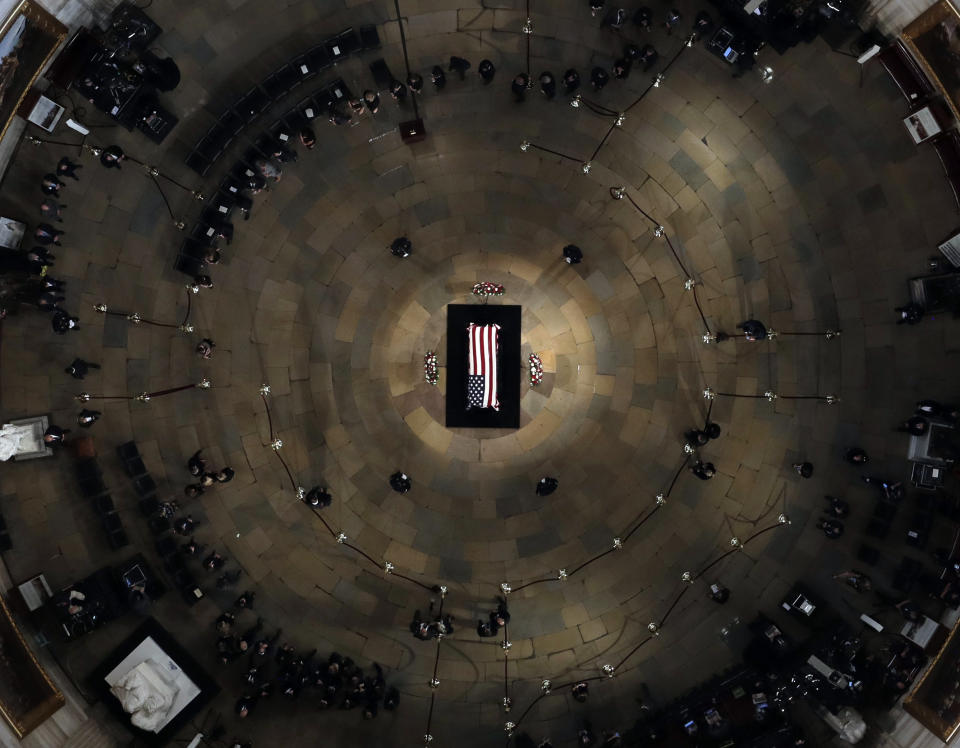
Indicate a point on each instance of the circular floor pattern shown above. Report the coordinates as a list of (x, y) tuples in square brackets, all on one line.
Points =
[(770, 193)]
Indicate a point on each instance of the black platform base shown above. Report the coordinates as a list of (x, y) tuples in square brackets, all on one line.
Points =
[(508, 369)]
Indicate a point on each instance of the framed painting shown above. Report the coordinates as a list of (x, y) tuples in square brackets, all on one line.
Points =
[(28, 38), (934, 39)]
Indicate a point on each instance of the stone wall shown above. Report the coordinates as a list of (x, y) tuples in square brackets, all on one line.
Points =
[(890, 16)]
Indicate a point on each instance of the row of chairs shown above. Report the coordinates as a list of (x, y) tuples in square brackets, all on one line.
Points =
[(92, 487), (275, 86), (230, 195), (164, 540)]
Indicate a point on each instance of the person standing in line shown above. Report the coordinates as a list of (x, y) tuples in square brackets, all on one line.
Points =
[(87, 418), (111, 156), (78, 368), (487, 71), (50, 185), (66, 168)]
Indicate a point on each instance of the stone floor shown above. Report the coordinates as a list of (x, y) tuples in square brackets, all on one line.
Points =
[(801, 202)]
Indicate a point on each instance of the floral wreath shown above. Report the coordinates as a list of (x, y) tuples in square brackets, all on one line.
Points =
[(430, 371), (536, 370), (486, 288)]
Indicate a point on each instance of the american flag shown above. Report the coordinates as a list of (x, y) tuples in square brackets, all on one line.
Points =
[(482, 376)]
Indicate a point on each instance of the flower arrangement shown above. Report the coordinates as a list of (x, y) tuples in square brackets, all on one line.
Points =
[(430, 372), (536, 370), (486, 288)]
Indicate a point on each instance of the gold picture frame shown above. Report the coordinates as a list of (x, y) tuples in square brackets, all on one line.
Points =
[(923, 700), (29, 678), (933, 38), (29, 37)]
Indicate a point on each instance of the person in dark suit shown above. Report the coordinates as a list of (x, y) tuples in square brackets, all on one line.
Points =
[(50, 185), (703, 470), (47, 234), (66, 168), (486, 70), (225, 475), (856, 456), (548, 84), (62, 322), (648, 56), (307, 138), (460, 66), (804, 469), (54, 435), (400, 482), (599, 78), (519, 86), (401, 247), (438, 77), (87, 418), (702, 25), (415, 82), (547, 485), (753, 330), (111, 156), (196, 464), (621, 68), (398, 91), (572, 254), (643, 18), (571, 81), (832, 528), (79, 368), (318, 497), (372, 100), (51, 208)]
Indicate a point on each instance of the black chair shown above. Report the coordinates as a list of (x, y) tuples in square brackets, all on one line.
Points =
[(868, 554), (118, 539), (198, 163), (884, 511), (128, 451), (878, 529), (381, 74), (369, 38), (335, 49), (92, 487), (145, 485), (134, 467), (212, 146), (203, 235), (231, 122), (166, 546), (88, 468), (149, 506), (308, 110), (304, 67), (324, 99), (253, 103), (189, 266), (319, 57), (338, 91), (158, 525), (174, 563), (104, 504), (281, 82), (112, 522), (348, 41)]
